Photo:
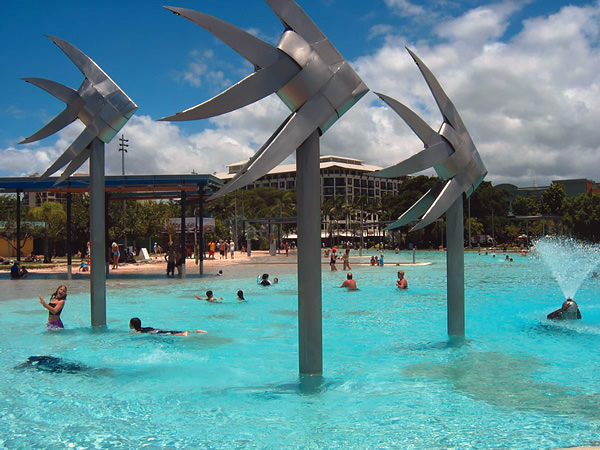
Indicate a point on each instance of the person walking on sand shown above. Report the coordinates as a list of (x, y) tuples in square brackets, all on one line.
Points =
[(55, 307), (401, 281), (115, 255)]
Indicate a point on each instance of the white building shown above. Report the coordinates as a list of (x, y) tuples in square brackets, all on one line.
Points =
[(340, 176)]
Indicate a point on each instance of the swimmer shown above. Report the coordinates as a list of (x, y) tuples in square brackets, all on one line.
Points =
[(209, 297), (240, 296), (568, 311), (275, 280), (401, 281), (265, 280), (349, 283), (136, 324), (55, 307)]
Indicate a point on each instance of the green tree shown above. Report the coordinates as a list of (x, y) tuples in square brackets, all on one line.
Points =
[(54, 217), (553, 199), (582, 216), (8, 207), (525, 206)]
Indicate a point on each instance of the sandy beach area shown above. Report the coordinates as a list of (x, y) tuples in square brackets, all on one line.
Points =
[(240, 266)]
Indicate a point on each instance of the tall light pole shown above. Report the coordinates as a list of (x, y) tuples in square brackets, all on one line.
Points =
[(123, 144)]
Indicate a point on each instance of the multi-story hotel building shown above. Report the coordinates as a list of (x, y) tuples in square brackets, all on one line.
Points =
[(340, 176)]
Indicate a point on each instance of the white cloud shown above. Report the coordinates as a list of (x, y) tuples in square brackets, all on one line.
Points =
[(404, 7), (531, 104)]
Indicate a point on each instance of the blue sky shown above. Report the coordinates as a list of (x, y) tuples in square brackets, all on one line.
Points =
[(524, 76)]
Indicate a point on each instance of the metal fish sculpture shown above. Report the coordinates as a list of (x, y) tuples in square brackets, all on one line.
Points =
[(99, 103), (305, 70)]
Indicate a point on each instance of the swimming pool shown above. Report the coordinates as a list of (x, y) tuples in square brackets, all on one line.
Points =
[(390, 378)]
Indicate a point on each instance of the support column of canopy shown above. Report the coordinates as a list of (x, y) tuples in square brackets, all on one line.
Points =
[(310, 333), (182, 236), (455, 258), (97, 235), (69, 235), (18, 225), (200, 248)]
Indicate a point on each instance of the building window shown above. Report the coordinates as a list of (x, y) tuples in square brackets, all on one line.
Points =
[(340, 182), (290, 185), (281, 184), (328, 182)]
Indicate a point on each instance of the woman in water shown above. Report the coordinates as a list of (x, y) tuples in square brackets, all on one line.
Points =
[(240, 296), (55, 307)]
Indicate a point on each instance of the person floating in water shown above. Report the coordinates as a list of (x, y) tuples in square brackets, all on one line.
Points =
[(349, 283), (240, 296), (209, 297), (401, 281), (265, 280), (55, 307), (136, 324), (568, 311)]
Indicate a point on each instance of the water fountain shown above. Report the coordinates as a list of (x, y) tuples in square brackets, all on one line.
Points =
[(570, 261)]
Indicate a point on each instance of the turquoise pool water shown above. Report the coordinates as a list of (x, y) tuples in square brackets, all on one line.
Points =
[(390, 379)]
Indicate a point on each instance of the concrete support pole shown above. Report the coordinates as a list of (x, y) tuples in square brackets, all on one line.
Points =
[(69, 235), (455, 257), (182, 238), (201, 229), (97, 235), (310, 333), (18, 255)]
